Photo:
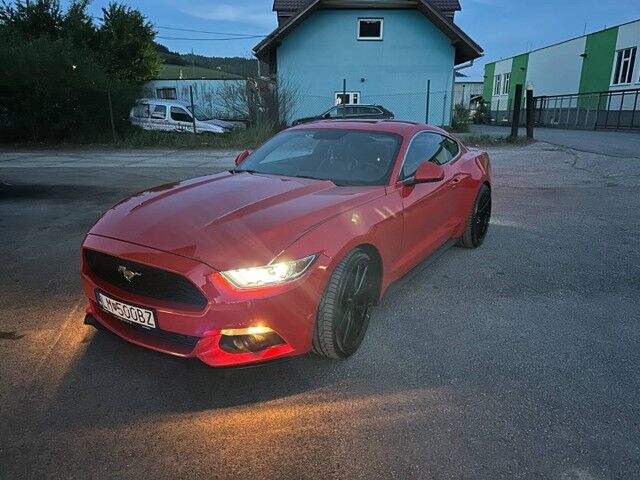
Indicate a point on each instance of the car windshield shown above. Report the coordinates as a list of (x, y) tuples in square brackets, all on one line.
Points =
[(344, 157), (199, 113)]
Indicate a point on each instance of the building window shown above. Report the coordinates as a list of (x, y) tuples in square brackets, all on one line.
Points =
[(497, 85), (370, 29), (623, 69), (347, 98), (506, 78), (166, 93)]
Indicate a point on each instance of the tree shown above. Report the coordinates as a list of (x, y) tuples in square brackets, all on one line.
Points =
[(33, 19), (58, 69), (126, 45)]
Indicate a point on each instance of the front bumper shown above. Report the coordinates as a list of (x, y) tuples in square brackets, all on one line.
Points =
[(186, 331)]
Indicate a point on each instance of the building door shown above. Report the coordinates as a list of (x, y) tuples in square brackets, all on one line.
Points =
[(347, 98)]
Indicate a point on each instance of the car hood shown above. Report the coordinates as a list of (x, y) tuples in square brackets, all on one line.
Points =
[(229, 220)]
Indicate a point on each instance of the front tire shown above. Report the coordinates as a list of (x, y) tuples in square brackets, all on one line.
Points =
[(478, 222), (345, 307)]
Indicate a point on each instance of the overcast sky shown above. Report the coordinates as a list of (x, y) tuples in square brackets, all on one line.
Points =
[(502, 27)]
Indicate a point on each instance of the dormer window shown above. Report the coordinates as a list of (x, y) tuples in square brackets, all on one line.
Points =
[(370, 29)]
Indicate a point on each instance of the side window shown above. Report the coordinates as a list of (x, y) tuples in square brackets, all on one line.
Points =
[(428, 147), (180, 115), (159, 112), (141, 110)]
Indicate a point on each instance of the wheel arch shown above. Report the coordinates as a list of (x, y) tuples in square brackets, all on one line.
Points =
[(376, 258)]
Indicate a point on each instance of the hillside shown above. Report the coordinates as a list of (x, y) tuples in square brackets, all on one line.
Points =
[(171, 72), (214, 67)]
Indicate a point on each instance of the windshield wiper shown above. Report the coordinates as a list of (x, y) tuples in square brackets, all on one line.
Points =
[(315, 178), (237, 170)]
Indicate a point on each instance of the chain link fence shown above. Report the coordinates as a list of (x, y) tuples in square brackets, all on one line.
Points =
[(434, 108)]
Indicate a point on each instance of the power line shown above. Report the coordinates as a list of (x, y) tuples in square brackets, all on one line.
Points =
[(235, 36), (210, 39), (210, 32)]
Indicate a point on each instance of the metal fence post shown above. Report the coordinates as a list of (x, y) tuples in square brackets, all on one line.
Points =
[(530, 107), (428, 101), (517, 105), (113, 125), (193, 109), (344, 97)]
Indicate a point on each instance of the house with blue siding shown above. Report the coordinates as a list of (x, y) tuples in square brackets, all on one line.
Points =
[(401, 54)]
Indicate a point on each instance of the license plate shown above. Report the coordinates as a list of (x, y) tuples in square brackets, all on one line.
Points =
[(126, 312)]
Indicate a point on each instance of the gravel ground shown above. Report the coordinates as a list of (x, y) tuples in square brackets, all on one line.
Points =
[(516, 360)]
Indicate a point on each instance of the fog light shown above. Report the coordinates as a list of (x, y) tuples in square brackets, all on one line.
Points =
[(249, 340)]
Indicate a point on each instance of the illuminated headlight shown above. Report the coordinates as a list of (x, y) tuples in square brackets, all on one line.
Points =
[(269, 274)]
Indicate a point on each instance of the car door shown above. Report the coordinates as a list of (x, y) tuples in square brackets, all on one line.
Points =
[(159, 117), (181, 119), (428, 209)]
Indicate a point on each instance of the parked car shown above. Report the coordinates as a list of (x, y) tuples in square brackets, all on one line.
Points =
[(173, 116), (289, 251), (352, 112)]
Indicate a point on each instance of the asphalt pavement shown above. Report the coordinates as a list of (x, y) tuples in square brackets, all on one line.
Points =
[(516, 360)]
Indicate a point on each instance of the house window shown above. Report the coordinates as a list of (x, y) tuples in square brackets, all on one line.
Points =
[(506, 78), (347, 98), (623, 69), (370, 29), (497, 85), (166, 93)]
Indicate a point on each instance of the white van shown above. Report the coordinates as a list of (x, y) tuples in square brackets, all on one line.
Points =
[(173, 116)]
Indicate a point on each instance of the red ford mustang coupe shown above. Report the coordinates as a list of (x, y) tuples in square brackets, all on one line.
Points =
[(288, 252)]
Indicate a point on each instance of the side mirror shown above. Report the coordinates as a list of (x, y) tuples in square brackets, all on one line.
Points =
[(326, 115), (241, 158), (428, 172)]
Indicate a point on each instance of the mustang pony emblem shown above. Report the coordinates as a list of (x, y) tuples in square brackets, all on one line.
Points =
[(128, 274)]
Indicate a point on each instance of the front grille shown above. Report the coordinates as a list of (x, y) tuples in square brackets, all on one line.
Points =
[(152, 282), (176, 338)]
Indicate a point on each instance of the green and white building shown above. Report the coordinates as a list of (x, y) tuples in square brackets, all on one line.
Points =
[(577, 72)]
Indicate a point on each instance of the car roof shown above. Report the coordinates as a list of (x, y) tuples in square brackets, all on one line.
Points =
[(163, 101), (400, 127)]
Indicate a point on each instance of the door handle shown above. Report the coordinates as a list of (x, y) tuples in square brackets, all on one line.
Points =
[(455, 181)]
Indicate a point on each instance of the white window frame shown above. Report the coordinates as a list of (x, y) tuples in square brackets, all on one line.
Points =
[(629, 61), (350, 96), (372, 19), (506, 83), (497, 84), (160, 93)]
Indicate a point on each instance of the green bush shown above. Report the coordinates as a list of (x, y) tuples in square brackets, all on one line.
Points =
[(249, 138), (59, 70), (461, 119), (482, 114)]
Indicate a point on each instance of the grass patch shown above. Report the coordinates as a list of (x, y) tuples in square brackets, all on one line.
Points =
[(249, 138), (171, 72), (493, 140)]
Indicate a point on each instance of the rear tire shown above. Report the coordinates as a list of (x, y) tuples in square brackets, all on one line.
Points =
[(345, 307), (478, 222)]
